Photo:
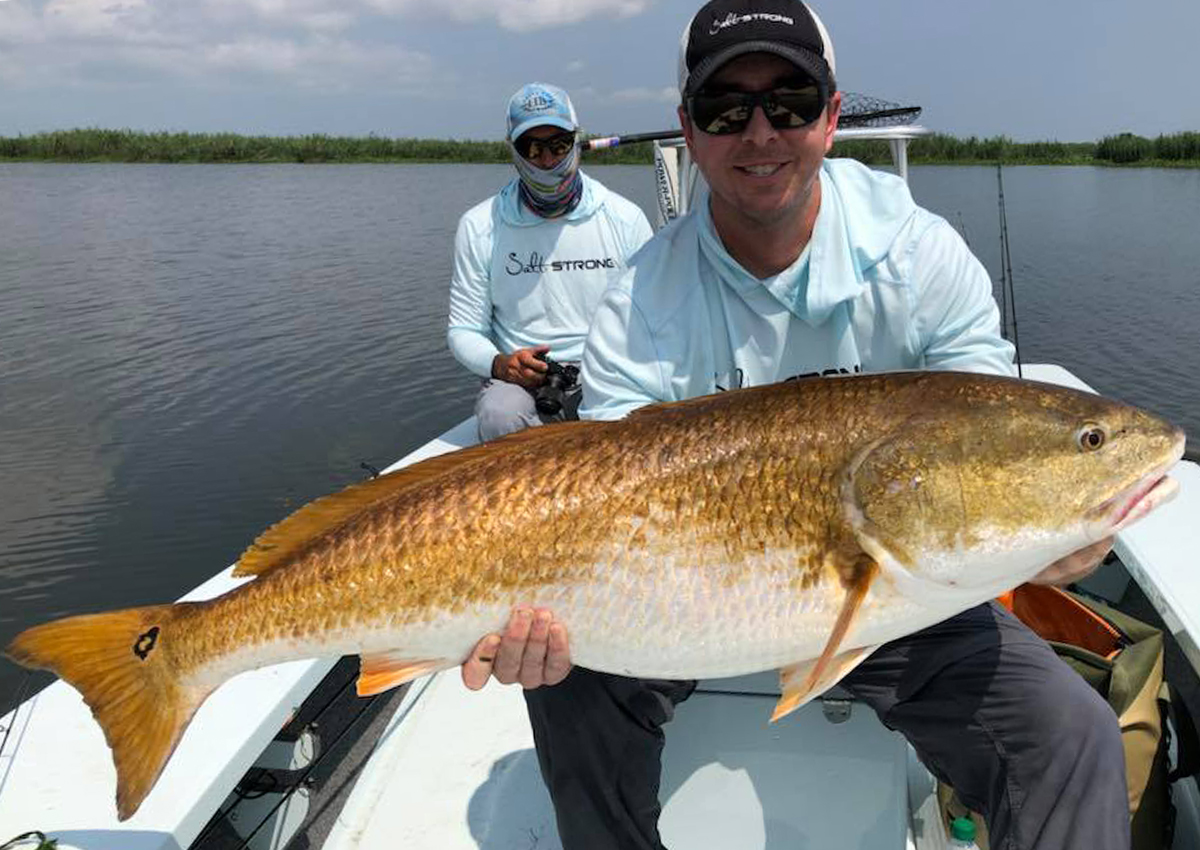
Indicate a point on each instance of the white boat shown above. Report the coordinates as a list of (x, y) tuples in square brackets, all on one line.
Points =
[(442, 768)]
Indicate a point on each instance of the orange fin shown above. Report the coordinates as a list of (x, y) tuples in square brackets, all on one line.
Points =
[(289, 536), (118, 663), (795, 679), (386, 670), (858, 582)]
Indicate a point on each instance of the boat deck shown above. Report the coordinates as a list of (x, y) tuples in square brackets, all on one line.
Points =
[(730, 779)]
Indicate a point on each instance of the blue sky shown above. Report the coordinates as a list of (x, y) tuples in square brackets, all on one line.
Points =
[(1032, 69)]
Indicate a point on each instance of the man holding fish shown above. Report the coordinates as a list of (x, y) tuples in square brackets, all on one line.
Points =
[(796, 265), (841, 529)]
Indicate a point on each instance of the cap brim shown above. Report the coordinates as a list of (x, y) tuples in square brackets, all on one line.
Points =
[(805, 60), (548, 121)]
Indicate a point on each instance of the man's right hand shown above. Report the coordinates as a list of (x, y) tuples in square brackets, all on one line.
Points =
[(532, 650), (523, 367)]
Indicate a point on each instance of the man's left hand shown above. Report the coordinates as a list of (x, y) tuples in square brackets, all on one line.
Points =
[(1075, 566)]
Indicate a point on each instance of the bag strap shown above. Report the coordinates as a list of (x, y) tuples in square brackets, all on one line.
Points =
[(1187, 740)]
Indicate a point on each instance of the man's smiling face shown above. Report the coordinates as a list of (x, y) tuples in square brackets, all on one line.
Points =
[(761, 175)]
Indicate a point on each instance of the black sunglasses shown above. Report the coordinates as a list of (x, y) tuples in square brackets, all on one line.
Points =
[(531, 148), (788, 106)]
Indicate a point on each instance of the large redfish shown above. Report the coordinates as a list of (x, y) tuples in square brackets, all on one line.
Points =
[(795, 526)]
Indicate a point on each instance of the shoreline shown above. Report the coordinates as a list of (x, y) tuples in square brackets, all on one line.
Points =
[(592, 161), (1179, 150)]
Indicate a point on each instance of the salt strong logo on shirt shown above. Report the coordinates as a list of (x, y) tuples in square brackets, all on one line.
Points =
[(540, 265)]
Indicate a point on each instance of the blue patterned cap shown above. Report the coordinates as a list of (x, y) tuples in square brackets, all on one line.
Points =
[(538, 104)]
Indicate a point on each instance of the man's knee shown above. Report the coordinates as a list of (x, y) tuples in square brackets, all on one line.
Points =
[(1072, 720), (1063, 769), (497, 423), (1092, 735), (503, 408)]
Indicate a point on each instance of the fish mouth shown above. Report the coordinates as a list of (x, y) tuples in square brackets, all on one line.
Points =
[(1144, 495), (1126, 508)]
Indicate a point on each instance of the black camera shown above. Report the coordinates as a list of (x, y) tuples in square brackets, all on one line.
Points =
[(560, 378)]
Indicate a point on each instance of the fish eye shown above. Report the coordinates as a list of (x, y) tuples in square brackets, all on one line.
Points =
[(1091, 437)]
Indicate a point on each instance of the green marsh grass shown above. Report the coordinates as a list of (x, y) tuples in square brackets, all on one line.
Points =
[(97, 145)]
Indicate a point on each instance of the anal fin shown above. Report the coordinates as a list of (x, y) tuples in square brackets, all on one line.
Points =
[(799, 684), (386, 670)]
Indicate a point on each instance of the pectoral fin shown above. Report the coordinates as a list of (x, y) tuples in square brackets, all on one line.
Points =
[(794, 680), (386, 670), (830, 667)]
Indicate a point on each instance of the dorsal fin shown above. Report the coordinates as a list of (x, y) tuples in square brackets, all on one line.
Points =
[(649, 411), (748, 396), (286, 537)]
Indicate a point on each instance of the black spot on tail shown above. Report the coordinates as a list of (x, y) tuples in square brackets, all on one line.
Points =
[(145, 643)]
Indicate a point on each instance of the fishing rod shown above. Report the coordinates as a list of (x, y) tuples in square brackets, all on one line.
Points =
[(629, 139), (17, 699), (857, 111), (1002, 280), (1009, 295)]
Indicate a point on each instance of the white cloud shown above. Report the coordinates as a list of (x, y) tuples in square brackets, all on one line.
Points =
[(299, 43), (90, 15), (322, 16), (515, 15), (573, 67), (323, 64), (304, 42), (130, 20), (17, 22)]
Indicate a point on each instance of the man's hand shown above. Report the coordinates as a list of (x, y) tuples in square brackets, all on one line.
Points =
[(533, 651), (1075, 566), (522, 367)]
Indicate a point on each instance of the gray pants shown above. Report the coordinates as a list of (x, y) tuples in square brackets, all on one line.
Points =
[(986, 703), (502, 408)]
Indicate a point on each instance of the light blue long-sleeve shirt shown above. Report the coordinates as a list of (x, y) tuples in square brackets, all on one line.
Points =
[(521, 280), (882, 285)]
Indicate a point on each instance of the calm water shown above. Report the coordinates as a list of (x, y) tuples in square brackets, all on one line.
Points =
[(189, 352)]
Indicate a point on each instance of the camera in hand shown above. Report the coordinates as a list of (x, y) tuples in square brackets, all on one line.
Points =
[(548, 398)]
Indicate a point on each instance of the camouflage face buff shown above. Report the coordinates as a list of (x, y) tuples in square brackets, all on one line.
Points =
[(550, 192)]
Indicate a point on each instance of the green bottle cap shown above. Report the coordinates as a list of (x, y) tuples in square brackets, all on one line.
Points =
[(962, 829)]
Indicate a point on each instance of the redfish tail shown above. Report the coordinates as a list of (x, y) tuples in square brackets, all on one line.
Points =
[(117, 662)]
